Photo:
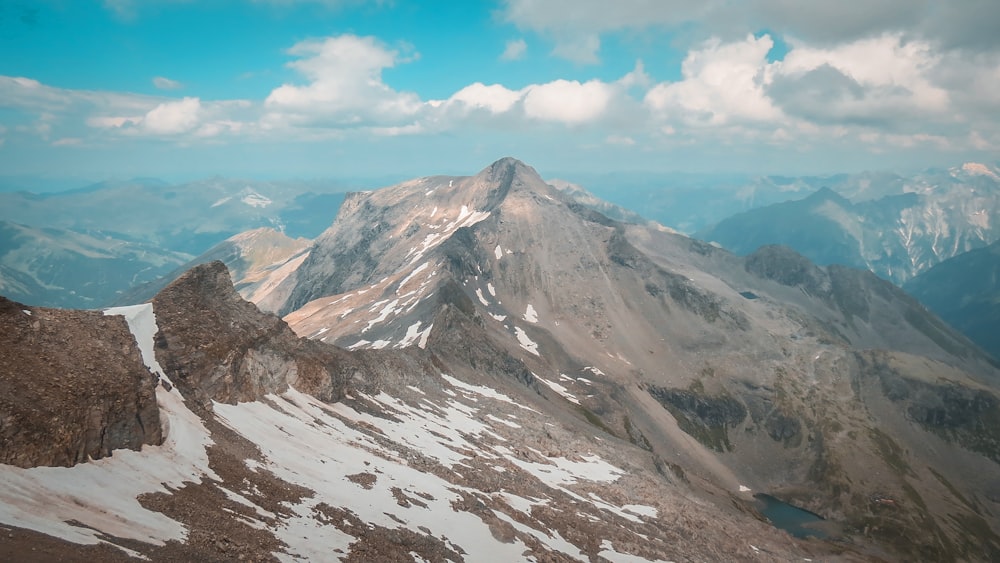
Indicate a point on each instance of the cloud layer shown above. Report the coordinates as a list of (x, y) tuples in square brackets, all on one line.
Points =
[(885, 73)]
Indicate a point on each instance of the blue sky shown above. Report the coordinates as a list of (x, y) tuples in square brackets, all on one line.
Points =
[(314, 88)]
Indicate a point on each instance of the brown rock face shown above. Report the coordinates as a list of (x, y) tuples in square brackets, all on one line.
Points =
[(72, 387), (215, 346)]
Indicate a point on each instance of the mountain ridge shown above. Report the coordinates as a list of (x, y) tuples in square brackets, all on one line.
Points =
[(516, 366)]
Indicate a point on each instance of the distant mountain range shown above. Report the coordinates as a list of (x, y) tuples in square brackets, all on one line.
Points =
[(898, 229), (86, 247), (896, 226)]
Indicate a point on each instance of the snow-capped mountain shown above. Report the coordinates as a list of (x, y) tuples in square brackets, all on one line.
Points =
[(518, 377)]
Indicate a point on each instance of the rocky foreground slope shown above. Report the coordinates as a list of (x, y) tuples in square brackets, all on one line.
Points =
[(519, 377), (256, 461)]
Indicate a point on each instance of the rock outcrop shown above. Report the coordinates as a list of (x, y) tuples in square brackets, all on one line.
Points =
[(72, 387), (217, 347)]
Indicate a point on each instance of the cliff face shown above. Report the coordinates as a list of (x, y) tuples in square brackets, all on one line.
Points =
[(72, 387)]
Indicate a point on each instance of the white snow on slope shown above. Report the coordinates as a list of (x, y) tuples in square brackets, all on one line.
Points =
[(320, 456), (413, 333), (559, 389), (482, 299), (316, 445), (498, 252), (142, 323), (530, 315), (254, 199), (416, 271), (525, 342)]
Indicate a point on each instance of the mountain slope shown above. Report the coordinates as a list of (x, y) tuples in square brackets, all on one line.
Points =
[(899, 235), (965, 292), (257, 260), (764, 371)]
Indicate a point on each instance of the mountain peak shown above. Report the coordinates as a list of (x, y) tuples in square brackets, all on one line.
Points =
[(827, 194), (505, 166)]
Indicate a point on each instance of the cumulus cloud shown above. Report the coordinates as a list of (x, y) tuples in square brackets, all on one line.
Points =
[(344, 86), (493, 98), (172, 118), (721, 83), (888, 89), (883, 81), (514, 50), (164, 83), (567, 101)]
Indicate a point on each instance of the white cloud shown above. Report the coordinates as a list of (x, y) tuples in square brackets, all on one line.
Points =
[(172, 118), (567, 101), (164, 83), (514, 50), (722, 83), (344, 87), (495, 98), (882, 80)]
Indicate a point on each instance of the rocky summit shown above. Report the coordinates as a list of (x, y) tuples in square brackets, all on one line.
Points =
[(482, 368)]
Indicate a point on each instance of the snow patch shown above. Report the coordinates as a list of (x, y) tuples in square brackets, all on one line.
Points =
[(525, 342), (416, 271), (142, 323), (498, 252), (560, 389), (254, 199), (530, 315), (482, 299)]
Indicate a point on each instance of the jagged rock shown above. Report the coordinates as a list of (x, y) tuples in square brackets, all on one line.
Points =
[(72, 387), (217, 347)]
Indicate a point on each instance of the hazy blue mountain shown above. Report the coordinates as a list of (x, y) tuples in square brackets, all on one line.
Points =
[(965, 292), (60, 267), (86, 246)]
